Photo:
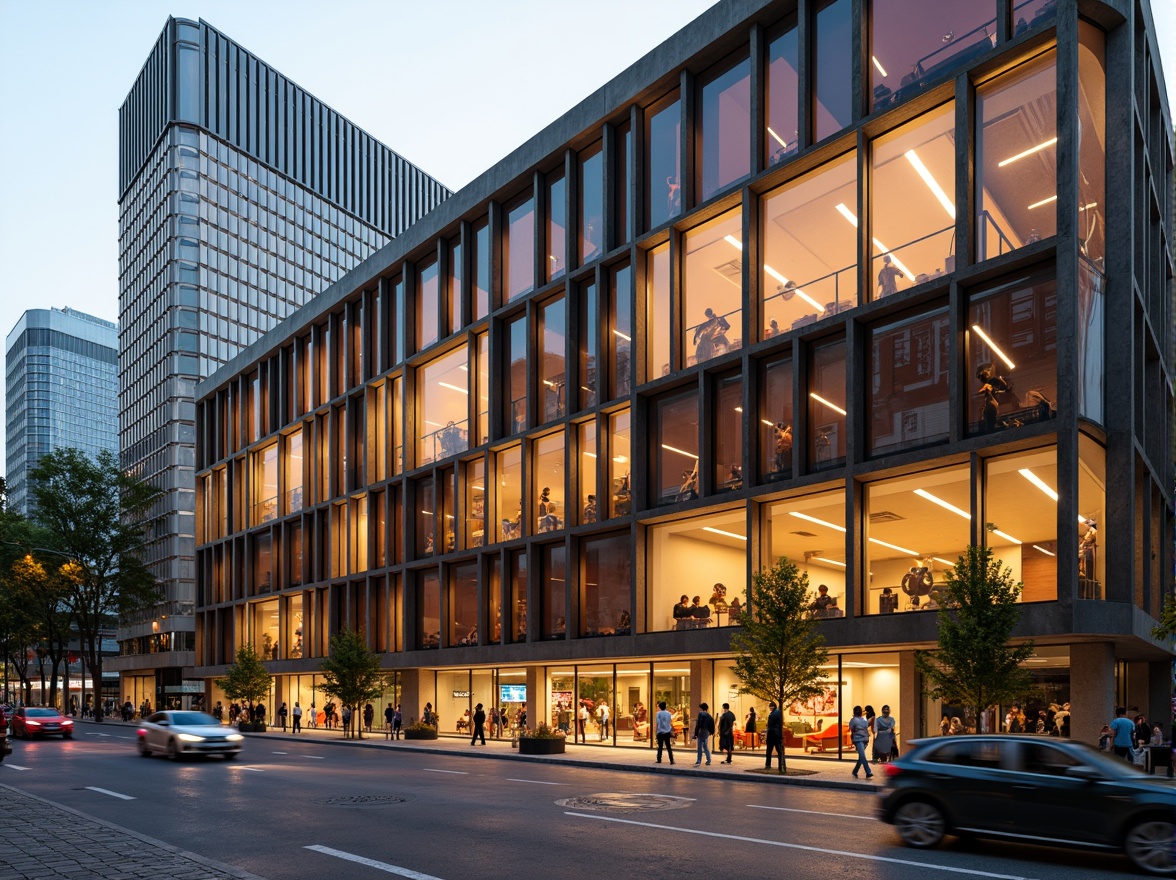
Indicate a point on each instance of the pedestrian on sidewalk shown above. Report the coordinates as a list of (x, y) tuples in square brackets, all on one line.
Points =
[(704, 729), (479, 725), (859, 735), (727, 733), (346, 720), (397, 723), (389, 715), (297, 728), (582, 723), (369, 715), (313, 722), (775, 737), (283, 714), (663, 725)]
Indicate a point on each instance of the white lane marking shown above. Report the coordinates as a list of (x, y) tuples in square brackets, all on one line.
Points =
[(114, 794), (14, 767), (536, 782), (814, 849), (250, 769), (371, 863), (281, 753), (312, 757), (454, 772), (812, 812)]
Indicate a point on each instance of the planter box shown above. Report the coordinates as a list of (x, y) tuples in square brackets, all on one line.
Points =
[(531, 746), (250, 727), (420, 734)]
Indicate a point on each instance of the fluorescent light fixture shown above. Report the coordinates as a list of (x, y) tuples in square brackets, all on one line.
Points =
[(766, 422), (680, 451), (732, 240), (828, 561), (816, 305), (434, 424), (620, 459), (932, 183), (590, 455), (881, 70), (1043, 550), (721, 532), (819, 522), (943, 561), (1028, 152), (777, 138), (549, 383), (454, 387), (1038, 482), (849, 215), (923, 493), (623, 336), (1043, 202), (820, 399), (894, 547), (995, 348), (1006, 537)]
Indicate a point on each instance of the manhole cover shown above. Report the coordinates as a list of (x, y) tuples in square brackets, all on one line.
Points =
[(614, 802), (362, 800)]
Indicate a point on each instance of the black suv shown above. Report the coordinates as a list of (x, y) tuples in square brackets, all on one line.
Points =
[(1032, 789)]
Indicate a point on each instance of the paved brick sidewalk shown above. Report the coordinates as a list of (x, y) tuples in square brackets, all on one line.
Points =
[(40, 840)]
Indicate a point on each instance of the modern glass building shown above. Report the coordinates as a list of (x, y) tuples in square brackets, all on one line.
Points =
[(242, 196), (855, 283), (61, 392)]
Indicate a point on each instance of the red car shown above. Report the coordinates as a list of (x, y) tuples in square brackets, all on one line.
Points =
[(30, 721)]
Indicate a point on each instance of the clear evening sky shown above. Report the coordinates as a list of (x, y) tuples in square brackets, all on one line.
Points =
[(451, 85)]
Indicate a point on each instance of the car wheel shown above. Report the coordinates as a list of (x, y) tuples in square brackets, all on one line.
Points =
[(173, 751), (25, 735), (143, 749), (1151, 846), (920, 824), (67, 736), (230, 756)]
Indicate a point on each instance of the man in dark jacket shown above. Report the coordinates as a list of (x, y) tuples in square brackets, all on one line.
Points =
[(704, 729), (479, 725), (775, 736), (727, 733)]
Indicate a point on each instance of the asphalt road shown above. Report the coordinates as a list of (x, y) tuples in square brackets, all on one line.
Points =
[(294, 810)]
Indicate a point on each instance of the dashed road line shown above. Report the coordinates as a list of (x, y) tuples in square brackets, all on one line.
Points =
[(113, 794), (371, 863)]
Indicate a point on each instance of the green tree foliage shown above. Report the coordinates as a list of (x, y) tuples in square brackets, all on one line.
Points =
[(351, 674), (97, 516), (248, 680), (975, 665), (40, 589), (1167, 627), (779, 651)]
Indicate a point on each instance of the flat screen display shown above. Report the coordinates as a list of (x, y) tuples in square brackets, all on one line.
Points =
[(512, 693)]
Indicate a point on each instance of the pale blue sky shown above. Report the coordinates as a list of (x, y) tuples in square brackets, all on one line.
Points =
[(452, 85)]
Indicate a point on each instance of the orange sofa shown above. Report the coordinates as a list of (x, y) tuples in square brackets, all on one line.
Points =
[(826, 740)]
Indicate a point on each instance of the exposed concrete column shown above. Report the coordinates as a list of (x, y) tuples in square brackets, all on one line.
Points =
[(702, 688), (1159, 704), (1092, 689), (538, 696), (416, 689), (910, 702)]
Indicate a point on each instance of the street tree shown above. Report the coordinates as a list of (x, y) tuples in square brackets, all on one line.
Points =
[(40, 589), (779, 651), (97, 517), (975, 666), (248, 681), (351, 673), (1167, 626)]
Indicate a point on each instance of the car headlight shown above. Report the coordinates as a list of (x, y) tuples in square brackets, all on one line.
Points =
[(66, 722), (234, 737), (190, 738)]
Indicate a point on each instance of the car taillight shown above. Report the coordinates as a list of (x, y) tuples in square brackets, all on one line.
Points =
[(891, 769), (142, 732)]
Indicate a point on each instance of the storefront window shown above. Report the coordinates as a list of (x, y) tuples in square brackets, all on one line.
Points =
[(557, 212), (633, 713), (913, 44), (912, 202), (619, 464), (588, 452), (443, 395), (1092, 500), (1016, 158), (293, 472), (265, 630), (783, 98), (508, 467), (833, 68), (591, 203), (516, 372), (916, 528), (775, 422), (1092, 154), (1012, 344), (512, 696), (518, 596), (595, 696), (481, 264), (589, 345), (671, 684), (810, 532), (553, 603), (810, 247), (727, 432), (826, 402), (620, 340), (1021, 504), (663, 190), (657, 313), (606, 586), (474, 481), (702, 560), (726, 128), (674, 468), (519, 249), (712, 280), (553, 360), (909, 365), (463, 605), (548, 483), (428, 610)]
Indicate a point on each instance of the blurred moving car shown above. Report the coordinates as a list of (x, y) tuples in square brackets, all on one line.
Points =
[(5, 733), (176, 734), (31, 721), (1031, 789)]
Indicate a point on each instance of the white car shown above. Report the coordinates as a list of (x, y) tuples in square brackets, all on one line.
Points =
[(177, 734)]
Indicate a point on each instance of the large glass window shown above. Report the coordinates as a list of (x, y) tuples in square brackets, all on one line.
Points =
[(456, 289), (595, 696), (810, 532), (508, 467), (909, 367), (916, 528), (663, 138), (591, 203), (606, 586), (553, 621), (475, 503), (589, 344), (1092, 150), (914, 43), (1092, 501), (463, 605), (518, 596), (657, 313), (263, 562), (622, 174), (1016, 158), (727, 432), (426, 517), (1021, 506), (428, 610), (265, 485), (712, 280), (588, 460), (553, 360), (265, 629), (619, 464), (826, 402), (674, 468), (519, 249), (725, 142), (1012, 355), (810, 247), (493, 628), (783, 97), (443, 395), (775, 422), (620, 340), (912, 202), (481, 265), (557, 212), (516, 374), (548, 483), (833, 68), (1091, 356), (697, 569), (293, 626), (428, 305)]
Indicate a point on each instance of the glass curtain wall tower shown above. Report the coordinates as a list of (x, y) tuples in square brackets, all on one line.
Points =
[(242, 196)]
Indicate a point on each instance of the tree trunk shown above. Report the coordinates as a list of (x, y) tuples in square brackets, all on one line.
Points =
[(93, 660)]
